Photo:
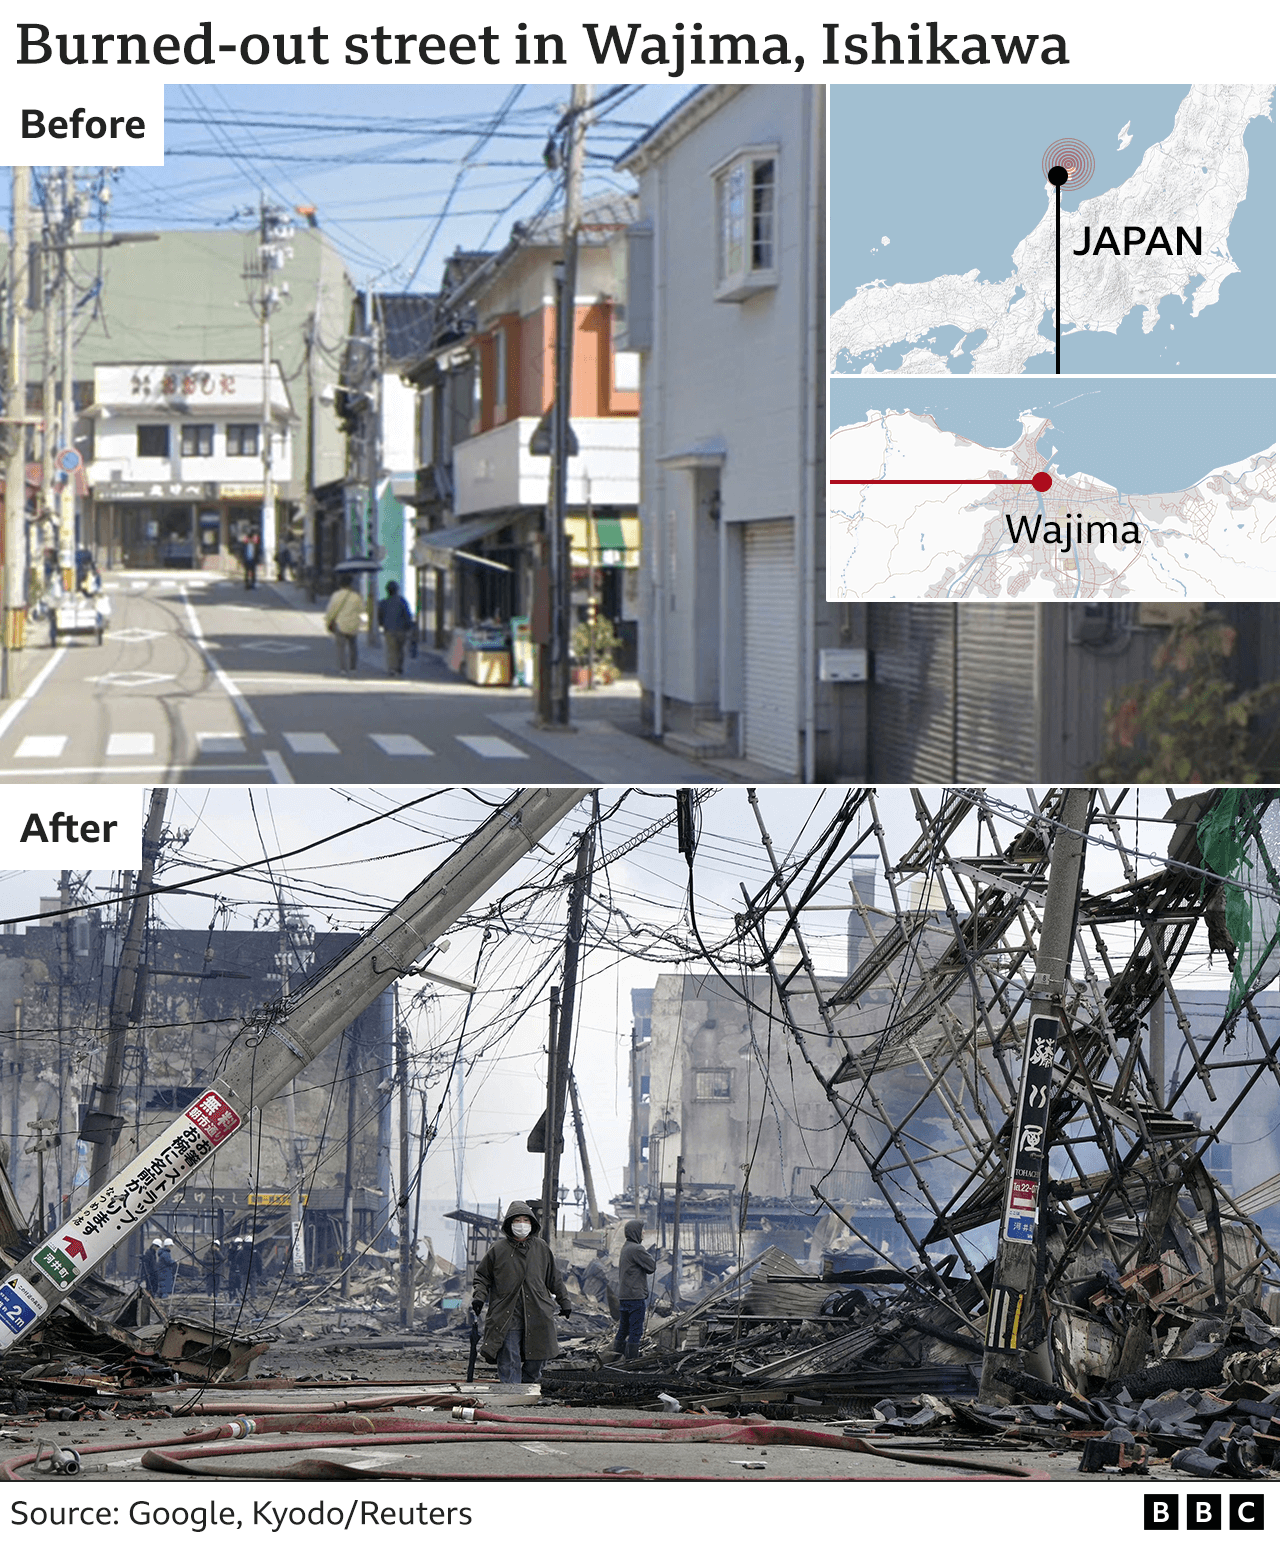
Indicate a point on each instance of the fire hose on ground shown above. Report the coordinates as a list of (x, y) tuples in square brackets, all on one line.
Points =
[(472, 1426)]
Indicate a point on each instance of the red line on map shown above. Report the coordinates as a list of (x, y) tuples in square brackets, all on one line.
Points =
[(1042, 482)]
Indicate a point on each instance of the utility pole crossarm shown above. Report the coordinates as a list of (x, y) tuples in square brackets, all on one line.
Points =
[(278, 1042)]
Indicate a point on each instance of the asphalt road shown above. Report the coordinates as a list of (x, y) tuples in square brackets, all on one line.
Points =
[(200, 680)]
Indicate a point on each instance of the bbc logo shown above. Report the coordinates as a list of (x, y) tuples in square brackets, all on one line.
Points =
[(1204, 1512)]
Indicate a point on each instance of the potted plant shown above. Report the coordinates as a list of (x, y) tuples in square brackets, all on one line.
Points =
[(594, 646)]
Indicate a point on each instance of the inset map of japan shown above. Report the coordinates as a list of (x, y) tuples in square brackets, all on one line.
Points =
[(1092, 230), (1052, 490)]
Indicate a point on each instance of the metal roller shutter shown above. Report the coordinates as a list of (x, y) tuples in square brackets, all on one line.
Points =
[(913, 698), (770, 615), (996, 724)]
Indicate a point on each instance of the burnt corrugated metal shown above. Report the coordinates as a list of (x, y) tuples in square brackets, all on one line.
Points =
[(912, 699), (996, 722)]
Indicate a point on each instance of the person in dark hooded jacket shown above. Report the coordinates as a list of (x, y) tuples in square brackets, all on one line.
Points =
[(519, 1284), (635, 1265)]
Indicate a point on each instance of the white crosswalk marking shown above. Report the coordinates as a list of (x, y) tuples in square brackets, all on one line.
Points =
[(491, 747), (131, 744), (219, 744), (400, 744), (310, 744), (41, 747)]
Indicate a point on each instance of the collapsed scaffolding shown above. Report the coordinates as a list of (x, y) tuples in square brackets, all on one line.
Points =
[(1133, 1244)]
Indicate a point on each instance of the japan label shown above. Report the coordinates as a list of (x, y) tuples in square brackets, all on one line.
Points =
[(1019, 1228), (151, 1179), (20, 1306), (215, 1116), (1024, 1196)]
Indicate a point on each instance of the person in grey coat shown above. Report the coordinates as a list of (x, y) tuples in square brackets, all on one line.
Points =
[(518, 1287), (635, 1265)]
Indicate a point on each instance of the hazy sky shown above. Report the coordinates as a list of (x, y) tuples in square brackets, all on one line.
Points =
[(349, 880)]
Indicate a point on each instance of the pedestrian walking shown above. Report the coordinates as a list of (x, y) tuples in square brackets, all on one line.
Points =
[(635, 1266), (518, 1288), (250, 556), (284, 561), (344, 618), (396, 620)]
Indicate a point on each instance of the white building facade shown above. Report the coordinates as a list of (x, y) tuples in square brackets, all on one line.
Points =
[(177, 468), (726, 304)]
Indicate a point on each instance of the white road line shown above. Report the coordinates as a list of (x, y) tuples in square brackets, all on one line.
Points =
[(219, 744), (87, 773), (400, 744), (491, 747), (310, 744), (10, 713), (131, 744), (275, 764), (247, 715), (41, 747)]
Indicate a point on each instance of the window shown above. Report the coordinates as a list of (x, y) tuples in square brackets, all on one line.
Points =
[(626, 370), (197, 438), (153, 441), (711, 1086), (242, 438), (500, 368), (746, 224)]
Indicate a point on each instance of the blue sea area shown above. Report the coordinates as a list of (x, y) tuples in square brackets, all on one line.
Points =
[(953, 176), (1141, 436)]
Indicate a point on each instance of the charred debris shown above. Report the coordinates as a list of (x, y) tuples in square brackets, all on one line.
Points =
[(1031, 1233), (1022, 1063)]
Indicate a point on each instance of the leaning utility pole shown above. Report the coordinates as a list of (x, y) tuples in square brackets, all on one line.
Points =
[(275, 1044), (15, 407), (1017, 1249), (593, 1209), (126, 996), (553, 680)]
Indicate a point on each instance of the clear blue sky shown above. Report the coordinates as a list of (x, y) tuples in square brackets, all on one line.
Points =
[(399, 175)]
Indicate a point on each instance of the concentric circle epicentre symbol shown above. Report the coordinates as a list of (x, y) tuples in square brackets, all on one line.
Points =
[(1074, 156)]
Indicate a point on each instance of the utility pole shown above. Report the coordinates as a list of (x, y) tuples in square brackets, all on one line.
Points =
[(126, 996), (557, 1095), (373, 454), (67, 503), (551, 1117), (297, 1239), (676, 1261), (635, 1124), (53, 251), (274, 1046), (406, 1241), (274, 230), (593, 1210), (348, 1173), (15, 406), (1017, 1250), (553, 679)]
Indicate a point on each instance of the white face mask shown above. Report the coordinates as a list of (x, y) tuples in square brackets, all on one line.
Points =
[(521, 1229)]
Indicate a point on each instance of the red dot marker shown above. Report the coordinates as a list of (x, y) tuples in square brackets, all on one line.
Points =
[(1042, 481)]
